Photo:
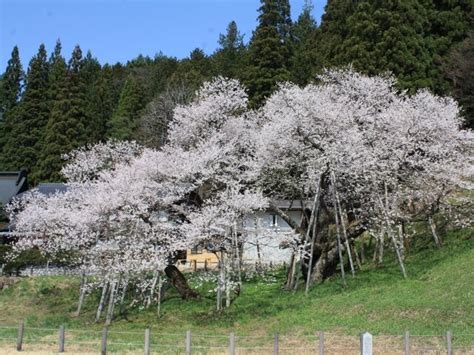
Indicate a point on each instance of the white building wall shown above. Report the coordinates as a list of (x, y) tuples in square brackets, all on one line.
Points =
[(265, 233)]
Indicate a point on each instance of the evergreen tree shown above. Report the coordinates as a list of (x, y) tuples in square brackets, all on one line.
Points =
[(459, 70), (228, 59), (123, 125), (269, 50), (10, 91), (408, 38), (11, 84), (65, 128), (305, 62), (26, 122), (98, 103), (193, 71)]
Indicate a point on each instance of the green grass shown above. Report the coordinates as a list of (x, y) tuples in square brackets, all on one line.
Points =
[(438, 295)]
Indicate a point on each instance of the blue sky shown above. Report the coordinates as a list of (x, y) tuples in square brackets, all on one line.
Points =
[(119, 30)]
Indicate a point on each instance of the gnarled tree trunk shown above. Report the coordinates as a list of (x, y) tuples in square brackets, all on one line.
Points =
[(179, 282)]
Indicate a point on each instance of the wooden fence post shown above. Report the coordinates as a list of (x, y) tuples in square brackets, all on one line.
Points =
[(232, 344), (321, 343), (147, 341), (103, 347), (407, 343), (195, 265), (449, 342), (275, 344), (61, 338), (188, 342), (19, 339), (205, 265)]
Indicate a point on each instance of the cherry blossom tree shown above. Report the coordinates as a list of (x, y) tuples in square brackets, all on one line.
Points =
[(362, 156)]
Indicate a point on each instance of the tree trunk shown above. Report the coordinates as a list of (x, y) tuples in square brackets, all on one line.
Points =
[(179, 282)]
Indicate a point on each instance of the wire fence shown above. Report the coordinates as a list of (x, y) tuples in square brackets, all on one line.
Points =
[(53, 340)]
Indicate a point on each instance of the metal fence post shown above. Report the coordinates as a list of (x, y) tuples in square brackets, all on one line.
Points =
[(232, 344), (449, 342), (61, 338), (407, 343), (147, 341), (103, 347), (275, 344), (188, 342), (19, 339), (321, 343)]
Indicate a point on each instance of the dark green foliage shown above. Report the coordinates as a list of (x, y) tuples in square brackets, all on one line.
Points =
[(407, 38), (459, 69), (123, 124), (12, 81), (228, 59), (26, 121), (10, 91), (269, 50), (66, 127), (305, 62)]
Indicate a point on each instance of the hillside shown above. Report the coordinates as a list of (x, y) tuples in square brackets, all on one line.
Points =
[(438, 296)]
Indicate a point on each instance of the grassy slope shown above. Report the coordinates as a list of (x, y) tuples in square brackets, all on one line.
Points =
[(438, 295)]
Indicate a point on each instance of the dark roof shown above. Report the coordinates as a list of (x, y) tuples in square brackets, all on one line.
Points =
[(292, 205), (47, 188), (12, 183)]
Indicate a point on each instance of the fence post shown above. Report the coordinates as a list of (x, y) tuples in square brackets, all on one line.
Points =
[(195, 265), (19, 339), (188, 342), (61, 338), (232, 344), (275, 344), (205, 265), (407, 343), (449, 342), (321, 343), (366, 344), (147, 341), (103, 347)]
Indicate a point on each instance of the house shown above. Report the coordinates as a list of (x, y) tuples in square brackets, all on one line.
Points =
[(12, 183), (9, 191), (265, 235)]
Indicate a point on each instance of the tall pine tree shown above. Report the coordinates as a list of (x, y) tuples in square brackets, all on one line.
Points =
[(124, 122), (228, 58), (27, 121), (305, 62), (65, 128), (10, 92), (12, 81), (269, 50)]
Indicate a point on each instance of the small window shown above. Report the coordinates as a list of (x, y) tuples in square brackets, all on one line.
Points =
[(196, 250), (274, 220)]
